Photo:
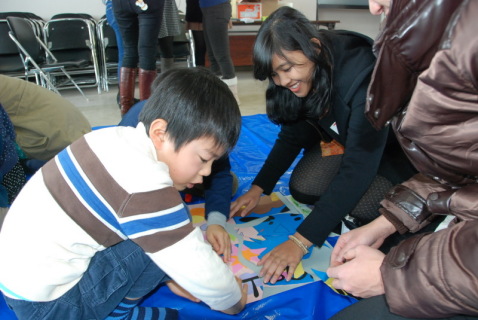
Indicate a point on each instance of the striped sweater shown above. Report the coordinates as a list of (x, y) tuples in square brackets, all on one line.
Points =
[(106, 187)]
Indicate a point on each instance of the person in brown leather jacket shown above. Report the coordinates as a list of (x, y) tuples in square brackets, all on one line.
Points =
[(431, 49)]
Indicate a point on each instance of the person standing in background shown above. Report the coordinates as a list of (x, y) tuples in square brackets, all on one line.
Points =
[(139, 22), (169, 29), (216, 22), (194, 23), (110, 17)]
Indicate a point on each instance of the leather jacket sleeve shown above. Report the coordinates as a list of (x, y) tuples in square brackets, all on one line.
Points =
[(406, 204), (413, 204), (434, 275)]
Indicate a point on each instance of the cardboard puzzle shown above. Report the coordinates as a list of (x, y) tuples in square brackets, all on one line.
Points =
[(273, 220)]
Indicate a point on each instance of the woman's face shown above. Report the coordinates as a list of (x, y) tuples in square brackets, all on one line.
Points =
[(293, 71)]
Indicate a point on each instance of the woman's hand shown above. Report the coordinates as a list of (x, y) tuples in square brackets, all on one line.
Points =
[(245, 203), (286, 255), (372, 235), (220, 241)]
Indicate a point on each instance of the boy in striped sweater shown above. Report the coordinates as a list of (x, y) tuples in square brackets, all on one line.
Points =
[(103, 224)]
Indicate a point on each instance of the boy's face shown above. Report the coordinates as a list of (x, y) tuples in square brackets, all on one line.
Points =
[(189, 164)]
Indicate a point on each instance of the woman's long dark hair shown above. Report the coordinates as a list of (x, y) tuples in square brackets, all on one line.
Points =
[(288, 29)]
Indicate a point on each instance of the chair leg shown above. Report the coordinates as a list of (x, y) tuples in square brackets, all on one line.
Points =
[(146, 78), (127, 84), (74, 83)]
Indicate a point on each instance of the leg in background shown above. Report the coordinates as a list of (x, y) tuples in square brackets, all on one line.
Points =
[(216, 24), (149, 25), (166, 46), (127, 85), (119, 40)]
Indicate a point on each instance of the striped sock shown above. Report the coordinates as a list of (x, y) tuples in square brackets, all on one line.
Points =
[(128, 310)]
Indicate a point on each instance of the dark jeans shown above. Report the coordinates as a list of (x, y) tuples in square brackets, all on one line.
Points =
[(139, 30), (119, 40), (376, 308), (123, 270)]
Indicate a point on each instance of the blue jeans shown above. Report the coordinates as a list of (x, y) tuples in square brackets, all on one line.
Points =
[(110, 16), (140, 30), (123, 270)]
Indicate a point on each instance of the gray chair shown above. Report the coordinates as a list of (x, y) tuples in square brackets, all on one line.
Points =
[(37, 59), (108, 54), (74, 38)]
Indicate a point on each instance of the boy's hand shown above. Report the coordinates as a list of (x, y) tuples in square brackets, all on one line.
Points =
[(245, 203), (220, 241), (241, 303), (180, 291)]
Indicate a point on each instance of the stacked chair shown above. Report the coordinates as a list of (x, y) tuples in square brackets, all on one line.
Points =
[(71, 50), (11, 63), (37, 59), (108, 52), (72, 37)]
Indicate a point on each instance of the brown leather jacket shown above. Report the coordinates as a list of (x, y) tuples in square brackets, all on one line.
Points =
[(426, 83)]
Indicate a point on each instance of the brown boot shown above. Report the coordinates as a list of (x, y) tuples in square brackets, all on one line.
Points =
[(146, 78), (127, 84)]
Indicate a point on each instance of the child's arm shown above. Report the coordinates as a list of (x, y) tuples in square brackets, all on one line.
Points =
[(218, 192), (177, 289), (220, 241), (193, 264), (242, 303)]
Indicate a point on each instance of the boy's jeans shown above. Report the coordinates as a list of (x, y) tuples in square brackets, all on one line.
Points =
[(123, 270)]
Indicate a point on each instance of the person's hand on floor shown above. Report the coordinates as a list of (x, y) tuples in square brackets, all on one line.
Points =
[(360, 274), (286, 255), (245, 203), (220, 241), (372, 234)]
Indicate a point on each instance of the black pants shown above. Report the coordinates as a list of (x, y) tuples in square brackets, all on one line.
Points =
[(215, 23)]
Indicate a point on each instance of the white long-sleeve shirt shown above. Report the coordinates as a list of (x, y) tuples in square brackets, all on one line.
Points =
[(106, 187)]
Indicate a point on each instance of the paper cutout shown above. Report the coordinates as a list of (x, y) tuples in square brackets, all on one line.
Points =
[(274, 219)]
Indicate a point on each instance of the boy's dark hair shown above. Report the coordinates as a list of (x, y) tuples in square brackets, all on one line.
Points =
[(288, 29), (195, 103)]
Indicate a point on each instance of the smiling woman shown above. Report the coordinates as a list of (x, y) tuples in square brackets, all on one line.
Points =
[(317, 86)]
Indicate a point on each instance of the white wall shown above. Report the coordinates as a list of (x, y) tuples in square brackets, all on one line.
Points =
[(350, 19)]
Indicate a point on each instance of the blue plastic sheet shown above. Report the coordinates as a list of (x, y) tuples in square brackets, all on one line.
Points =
[(258, 135), (315, 301)]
